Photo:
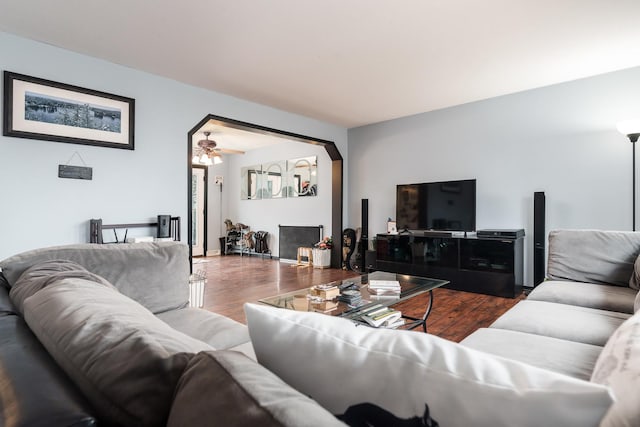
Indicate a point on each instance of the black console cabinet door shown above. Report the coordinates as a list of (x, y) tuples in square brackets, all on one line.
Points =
[(487, 255), (487, 266)]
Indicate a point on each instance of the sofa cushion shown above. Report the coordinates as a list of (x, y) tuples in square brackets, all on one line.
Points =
[(592, 256), (604, 297), (34, 391), (125, 360), (218, 331), (563, 321), (154, 274), (349, 368), (246, 349), (42, 274), (233, 390), (619, 368), (565, 357)]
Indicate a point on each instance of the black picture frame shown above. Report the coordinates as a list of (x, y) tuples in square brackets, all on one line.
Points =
[(36, 108)]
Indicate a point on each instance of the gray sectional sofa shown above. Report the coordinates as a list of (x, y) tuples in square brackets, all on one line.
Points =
[(564, 323), (580, 321), (103, 335)]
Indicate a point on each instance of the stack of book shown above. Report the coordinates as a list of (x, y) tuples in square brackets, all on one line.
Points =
[(384, 287), (323, 306), (328, 291), (382, 317)]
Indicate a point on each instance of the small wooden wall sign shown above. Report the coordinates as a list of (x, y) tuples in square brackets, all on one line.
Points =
[(75, 172)]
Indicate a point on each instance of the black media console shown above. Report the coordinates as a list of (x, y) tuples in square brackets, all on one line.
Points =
[(491, 266)]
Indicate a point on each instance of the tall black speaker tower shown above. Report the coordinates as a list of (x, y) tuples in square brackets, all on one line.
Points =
[(364, 237), (539, 234)]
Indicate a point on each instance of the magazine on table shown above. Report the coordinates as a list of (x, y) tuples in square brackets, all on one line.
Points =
[(382, 317)]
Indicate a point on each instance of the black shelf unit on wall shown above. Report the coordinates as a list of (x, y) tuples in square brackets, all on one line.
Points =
[(96, 228), (489, 266)]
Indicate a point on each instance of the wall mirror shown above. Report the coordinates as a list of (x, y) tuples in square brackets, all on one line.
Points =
[(273, 177), (275, 180), (302, 176), (250, 182)]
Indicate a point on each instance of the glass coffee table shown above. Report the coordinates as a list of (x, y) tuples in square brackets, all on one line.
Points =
[(410, 287)]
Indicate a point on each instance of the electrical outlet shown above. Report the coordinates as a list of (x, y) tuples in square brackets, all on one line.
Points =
[(218, 180)]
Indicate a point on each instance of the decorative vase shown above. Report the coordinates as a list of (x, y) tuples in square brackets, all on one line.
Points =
[(321, 258)]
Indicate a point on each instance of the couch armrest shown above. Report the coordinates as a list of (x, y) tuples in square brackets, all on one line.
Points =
[(33, 389)]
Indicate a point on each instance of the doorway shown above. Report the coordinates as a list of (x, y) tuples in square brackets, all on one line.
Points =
[(199, 190), (330, 147)]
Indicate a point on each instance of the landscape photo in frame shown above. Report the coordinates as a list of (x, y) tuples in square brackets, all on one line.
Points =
[(36, 108)]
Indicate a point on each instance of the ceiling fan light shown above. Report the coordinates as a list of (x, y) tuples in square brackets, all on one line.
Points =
[(217, 160), (195, 160), (208, 162), (203, 158)]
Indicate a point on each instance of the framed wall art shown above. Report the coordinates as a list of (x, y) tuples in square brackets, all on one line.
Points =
[(36, 108)]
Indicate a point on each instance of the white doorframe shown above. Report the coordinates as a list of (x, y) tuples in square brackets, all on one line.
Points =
[(199, 211)]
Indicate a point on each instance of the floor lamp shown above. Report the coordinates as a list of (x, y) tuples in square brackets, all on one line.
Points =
[(631, 128)]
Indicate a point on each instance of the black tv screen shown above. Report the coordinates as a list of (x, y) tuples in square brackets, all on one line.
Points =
[(449, 205)]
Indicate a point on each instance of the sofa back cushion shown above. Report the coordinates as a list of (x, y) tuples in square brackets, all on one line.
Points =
[(593, 256), (154, 274), (125, 360), (618, 367), (233, 390), (360, 372)]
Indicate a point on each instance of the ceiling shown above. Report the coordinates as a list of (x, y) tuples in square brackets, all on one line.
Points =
[(236, 139), (349, 63)]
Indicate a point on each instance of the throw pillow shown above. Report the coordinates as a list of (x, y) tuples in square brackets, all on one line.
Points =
[(45, 273), (125, 360), (233, 390), (6, 307), (618, 367), (634, 281), (349, 368)]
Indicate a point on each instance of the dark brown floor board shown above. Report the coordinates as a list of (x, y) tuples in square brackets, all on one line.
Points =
[(233, 280)]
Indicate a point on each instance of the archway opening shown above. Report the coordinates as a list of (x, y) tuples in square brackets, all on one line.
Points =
[(330, 147)]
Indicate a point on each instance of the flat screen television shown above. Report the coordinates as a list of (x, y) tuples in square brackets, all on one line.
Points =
[(447, 205)]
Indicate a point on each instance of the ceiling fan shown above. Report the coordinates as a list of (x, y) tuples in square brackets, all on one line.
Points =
[(210, 146), (208, 149)]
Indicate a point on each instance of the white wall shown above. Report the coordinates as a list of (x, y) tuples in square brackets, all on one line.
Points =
[(215, 200), (40, 209), (559, 139)]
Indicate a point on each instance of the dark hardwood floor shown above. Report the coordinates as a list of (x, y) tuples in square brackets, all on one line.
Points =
[(233, 280)]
